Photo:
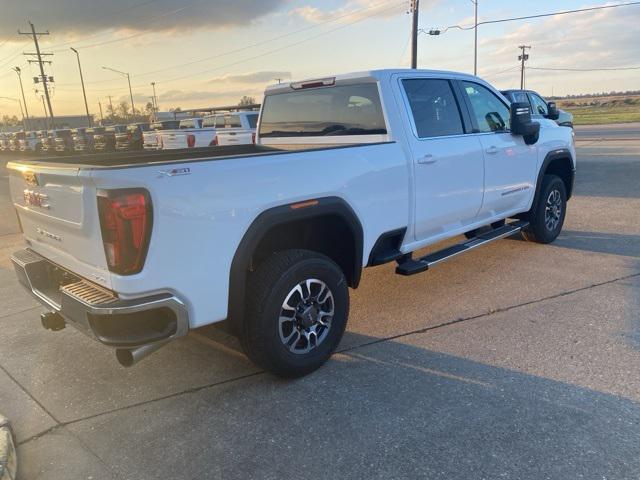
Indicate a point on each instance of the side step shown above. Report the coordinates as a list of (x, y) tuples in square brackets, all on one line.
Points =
[(411, 266)]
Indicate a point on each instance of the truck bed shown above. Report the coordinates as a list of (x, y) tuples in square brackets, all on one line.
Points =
[(125, 159)]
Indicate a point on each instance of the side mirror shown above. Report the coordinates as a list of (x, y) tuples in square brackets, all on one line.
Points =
[(521, 123), (552, 109)]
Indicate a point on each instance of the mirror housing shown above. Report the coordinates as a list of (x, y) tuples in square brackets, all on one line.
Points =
[(521, 123), (552, 109)]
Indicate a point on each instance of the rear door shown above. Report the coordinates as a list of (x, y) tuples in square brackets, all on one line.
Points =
[(447, 161), (57, 208), (509, 163)]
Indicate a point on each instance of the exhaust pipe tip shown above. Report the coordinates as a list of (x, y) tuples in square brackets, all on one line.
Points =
[(124, 357), (127, 357)]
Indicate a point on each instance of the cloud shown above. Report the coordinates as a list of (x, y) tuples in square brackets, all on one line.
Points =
[(605, 38), (267, 76), (69, 17), (205, 96), (351, 11)]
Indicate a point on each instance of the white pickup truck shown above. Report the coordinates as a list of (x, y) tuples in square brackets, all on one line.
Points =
[(238, 128), (136, 249), (190, 133)]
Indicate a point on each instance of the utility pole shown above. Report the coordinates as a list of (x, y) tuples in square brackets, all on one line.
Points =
[(155, 102), (111, 106), (24, 101), (101, 117), (475, 41), (84, 93), (35, 34), (46, 117), (523, 58), (415, 10)]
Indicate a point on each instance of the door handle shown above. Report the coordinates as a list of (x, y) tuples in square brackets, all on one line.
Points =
[(492, 150), (427, 160)]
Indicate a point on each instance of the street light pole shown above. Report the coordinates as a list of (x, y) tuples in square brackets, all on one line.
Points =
[(415, 10), (133, 108), (84, 93), (24, 101), (475, 41)]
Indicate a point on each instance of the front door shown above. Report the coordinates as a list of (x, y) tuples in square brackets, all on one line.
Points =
[(510, 164), (447, 162)]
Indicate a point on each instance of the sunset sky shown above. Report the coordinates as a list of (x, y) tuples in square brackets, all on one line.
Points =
[(205, 53)]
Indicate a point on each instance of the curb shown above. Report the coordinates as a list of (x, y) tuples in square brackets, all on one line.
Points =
[(8, 456)]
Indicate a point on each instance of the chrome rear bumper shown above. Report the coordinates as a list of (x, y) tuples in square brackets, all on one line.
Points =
[(98, 312)]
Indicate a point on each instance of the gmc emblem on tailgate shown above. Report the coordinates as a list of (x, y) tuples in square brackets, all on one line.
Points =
[(30, 179), (35, 199)]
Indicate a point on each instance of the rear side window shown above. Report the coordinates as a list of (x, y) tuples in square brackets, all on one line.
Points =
[(491, 114), (331, 111), (252, 120), (434, 108)]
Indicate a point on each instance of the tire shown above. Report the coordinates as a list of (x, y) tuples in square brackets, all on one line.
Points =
[(546, 217), (287, 348)]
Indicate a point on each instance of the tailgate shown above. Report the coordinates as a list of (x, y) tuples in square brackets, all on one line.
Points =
[(235, 137), (58, 211), (174, 140)]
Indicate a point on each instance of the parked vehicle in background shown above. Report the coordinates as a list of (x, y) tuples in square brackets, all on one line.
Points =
[(29, 142), (63, 142), (190, 133), (78, 137), (349, 171), (49, 141), (14, 141), (540, 108), (4, 142), (238, 128), (106, 141), (151, 139), (84, 142), (132, 138)]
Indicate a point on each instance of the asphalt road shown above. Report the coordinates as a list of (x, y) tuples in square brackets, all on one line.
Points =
[(516, 361)]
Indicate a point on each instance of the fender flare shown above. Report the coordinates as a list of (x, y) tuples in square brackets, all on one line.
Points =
[(558, 154), (280, 215)]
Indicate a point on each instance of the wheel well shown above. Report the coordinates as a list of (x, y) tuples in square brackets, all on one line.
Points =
[(326, 225), (326, 234), (562, 168)]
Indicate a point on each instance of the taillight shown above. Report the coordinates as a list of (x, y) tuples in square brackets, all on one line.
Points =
[(214, 142), (253, 138), (125, 222), (191, 140)]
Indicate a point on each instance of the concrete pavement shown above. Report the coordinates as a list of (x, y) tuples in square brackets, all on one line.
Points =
[(515, 361)]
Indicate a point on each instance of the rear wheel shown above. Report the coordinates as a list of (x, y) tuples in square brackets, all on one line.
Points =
[(546, 217), (297, 309)]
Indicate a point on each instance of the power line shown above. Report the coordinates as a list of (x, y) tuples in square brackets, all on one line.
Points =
[(378, 12), (541, 15), (613, 69), (253, 45), (138, 34)]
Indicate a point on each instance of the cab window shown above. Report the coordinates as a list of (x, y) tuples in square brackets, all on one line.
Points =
[(491, 113), (538, 105), (434, 107)]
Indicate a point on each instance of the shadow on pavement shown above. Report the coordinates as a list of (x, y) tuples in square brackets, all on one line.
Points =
[(598, 242), (388, 410)]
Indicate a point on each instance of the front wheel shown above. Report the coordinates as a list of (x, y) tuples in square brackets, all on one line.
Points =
[(546, 217), (297, 309)]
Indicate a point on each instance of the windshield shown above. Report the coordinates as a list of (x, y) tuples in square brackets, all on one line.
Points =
[(333, 111)]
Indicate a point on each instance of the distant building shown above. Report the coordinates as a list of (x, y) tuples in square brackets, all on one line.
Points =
[(61, 121)]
